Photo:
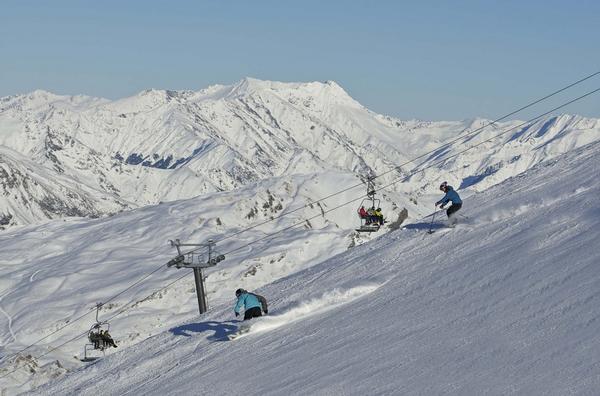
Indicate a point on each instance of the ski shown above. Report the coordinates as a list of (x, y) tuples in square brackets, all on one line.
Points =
[(240, 332)]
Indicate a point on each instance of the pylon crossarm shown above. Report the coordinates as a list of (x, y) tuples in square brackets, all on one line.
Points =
[(196, 261)]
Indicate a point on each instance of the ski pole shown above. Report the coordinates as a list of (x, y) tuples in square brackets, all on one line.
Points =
[(431, 224)]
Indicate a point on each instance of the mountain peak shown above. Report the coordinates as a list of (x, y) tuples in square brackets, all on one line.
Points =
[(329, 90), (43, 94)]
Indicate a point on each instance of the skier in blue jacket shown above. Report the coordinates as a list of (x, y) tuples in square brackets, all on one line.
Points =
[(251, 303), (451, 196)]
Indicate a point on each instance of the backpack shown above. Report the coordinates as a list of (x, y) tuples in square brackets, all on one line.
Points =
[(263, 302)]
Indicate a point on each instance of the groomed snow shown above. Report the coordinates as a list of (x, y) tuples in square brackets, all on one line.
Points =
[(505, 303)]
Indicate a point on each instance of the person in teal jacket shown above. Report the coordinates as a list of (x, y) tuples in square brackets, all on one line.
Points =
[(251, 303), (451, 196)]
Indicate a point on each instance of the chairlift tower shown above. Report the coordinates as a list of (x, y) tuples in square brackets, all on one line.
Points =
[(371, 188), (196, 259)]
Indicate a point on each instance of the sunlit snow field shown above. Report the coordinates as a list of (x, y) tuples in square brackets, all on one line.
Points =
[(506, 302)]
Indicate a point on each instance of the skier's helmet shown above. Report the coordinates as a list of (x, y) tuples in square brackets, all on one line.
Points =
[(444, 186), (238, 292)]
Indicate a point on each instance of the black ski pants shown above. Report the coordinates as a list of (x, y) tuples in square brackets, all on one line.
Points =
[(252, 313), (453, 209)]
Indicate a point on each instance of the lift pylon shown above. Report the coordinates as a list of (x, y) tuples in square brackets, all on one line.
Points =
[(196, 260)]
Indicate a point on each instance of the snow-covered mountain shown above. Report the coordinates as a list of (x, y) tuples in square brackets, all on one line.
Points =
[(198, 165), (504, 303), (165, 145), (99, 156)]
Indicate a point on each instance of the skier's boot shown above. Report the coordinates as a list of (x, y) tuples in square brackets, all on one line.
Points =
[(452, 220)]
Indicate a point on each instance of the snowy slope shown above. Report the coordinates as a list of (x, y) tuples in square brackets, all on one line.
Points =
[(46, 265), (507, 302), (169, 145)]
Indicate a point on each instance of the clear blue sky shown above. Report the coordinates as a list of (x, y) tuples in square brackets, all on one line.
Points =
[(419, 59)]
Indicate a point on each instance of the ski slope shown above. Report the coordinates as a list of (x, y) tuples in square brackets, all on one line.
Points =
[(505, 303)]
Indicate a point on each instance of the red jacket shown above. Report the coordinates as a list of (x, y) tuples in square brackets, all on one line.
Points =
[(362, 212)]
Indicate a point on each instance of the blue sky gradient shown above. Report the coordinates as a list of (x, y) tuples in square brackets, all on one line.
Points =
[(428, 59)]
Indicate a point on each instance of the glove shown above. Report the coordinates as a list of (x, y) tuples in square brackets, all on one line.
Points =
[(266, 311), (237, 314)]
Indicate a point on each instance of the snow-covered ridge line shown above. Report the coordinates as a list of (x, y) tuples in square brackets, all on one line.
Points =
[(162, 145)]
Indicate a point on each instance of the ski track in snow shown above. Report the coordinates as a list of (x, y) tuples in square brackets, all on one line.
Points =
[(316, 306), (32, 277), (9, 320)]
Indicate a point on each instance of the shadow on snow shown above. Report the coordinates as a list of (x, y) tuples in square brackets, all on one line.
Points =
[(425, 226), (220, 330)]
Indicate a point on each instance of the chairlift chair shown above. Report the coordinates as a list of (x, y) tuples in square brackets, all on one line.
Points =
[(96, 341), (371, 202)]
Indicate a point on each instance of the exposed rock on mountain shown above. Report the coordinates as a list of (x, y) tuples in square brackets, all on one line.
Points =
[(98, 156)]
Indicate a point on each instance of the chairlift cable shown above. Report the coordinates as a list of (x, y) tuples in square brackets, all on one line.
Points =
[(405, 176), (493, 137), (121, 311), (461, 136), (46, 353), (80, 316)]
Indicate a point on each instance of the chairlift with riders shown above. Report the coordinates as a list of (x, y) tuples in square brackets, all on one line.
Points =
[(370, 201), (99, 338)]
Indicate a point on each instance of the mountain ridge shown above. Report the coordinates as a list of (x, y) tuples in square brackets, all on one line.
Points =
[(162, 145)]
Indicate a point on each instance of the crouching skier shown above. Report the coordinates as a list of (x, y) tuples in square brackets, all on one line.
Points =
[(253, 304), (451, 196)]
